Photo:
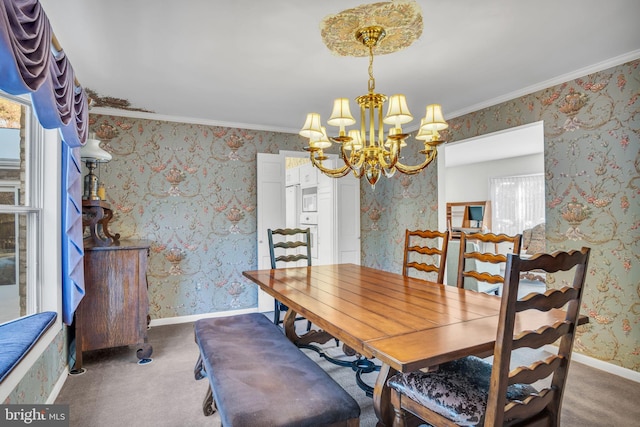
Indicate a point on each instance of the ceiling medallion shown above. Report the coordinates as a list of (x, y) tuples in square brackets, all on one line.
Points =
[(370, 151), (401, 20)]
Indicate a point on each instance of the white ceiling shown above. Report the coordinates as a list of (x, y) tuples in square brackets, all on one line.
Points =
[(262, 64)]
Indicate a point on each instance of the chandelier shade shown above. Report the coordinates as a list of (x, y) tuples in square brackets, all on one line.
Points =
[(371, 151)]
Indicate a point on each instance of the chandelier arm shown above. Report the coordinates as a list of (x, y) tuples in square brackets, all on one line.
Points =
[(333, 173), (393, 159), (412, 170), (345, 157)]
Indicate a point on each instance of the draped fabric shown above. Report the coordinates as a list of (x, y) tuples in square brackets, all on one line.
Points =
[(72, 248), (517, 203), (32, 63)]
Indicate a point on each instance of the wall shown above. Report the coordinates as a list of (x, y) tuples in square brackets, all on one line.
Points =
[(396, 204), (470, 182), (191, 190), (592, 168)]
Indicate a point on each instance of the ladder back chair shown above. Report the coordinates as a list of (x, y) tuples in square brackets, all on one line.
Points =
[(484, 266), (428, 253), (472, 391), (287, 244)]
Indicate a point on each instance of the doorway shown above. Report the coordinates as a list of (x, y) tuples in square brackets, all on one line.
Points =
[(335, 220)]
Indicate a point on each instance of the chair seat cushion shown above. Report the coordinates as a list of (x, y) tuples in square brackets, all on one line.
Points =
[(457, 390)]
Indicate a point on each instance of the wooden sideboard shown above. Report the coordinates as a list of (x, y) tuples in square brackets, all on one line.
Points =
[(114, 310)]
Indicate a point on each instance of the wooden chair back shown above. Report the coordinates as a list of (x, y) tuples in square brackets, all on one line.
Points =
[(412, 249), (287, 242), (484, 257), (544, 406), (287, 245)]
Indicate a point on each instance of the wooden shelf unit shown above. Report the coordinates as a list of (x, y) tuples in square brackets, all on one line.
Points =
[(454, 207)]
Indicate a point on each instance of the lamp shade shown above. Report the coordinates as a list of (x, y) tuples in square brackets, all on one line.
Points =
[(424, 133), (321, 142), (92, 151), (434, 119), (356, 140), (341, 114), (398, 112), (311, 128)]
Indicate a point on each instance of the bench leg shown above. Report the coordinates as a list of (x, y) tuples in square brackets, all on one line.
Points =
[(209, 405), (198, 371)]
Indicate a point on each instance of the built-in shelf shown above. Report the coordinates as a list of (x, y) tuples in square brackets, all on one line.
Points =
[(469, 217)]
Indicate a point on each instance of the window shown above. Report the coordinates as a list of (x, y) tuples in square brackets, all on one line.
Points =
[(517, 203), (20, 209)]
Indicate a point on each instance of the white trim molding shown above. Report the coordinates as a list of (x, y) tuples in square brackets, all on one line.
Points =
[(607, 367), (194, 317), (58, 386)]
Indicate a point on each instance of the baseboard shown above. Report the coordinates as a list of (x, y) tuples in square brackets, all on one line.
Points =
[(58, 386), (600, 364), (194, 317)]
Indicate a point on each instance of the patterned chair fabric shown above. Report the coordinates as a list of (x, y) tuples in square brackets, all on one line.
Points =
[(457, 390)]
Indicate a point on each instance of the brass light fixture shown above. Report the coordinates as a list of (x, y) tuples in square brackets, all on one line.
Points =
[(371, 152)]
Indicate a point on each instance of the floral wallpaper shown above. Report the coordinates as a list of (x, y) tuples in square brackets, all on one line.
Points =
[(191, 190), (592, 166)]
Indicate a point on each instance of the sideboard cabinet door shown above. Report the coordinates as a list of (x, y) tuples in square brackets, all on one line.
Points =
[(115, 307)]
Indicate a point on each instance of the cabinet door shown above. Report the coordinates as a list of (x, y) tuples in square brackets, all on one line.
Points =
[(308, 175), (292, 176), (114, 309)]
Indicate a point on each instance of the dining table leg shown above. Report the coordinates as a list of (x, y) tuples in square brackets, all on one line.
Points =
[(312, 336), (382, 397)]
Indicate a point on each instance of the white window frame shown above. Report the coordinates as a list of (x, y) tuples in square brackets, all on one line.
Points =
[(43, 192)]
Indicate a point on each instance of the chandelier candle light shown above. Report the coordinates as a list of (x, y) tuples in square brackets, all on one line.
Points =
[(369, 151)]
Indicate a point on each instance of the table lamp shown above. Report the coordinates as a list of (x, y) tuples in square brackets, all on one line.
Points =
[(92, 154)]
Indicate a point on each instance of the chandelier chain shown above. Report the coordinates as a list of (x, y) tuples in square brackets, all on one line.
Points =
[(372, 80)]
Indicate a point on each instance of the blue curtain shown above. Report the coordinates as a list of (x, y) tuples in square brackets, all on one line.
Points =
[(72, 248), (32, 62)]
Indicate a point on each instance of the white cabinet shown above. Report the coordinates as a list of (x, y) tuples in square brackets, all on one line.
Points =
[(326, 224), (308, 175), (292, 176)]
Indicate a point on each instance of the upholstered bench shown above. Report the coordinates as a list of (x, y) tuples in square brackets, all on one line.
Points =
[(18, 336), (257, 377)]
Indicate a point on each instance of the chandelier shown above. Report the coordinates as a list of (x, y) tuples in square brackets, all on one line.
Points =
[(371, 151)]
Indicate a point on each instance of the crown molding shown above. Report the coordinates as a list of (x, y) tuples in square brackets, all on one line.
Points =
[(611, 62), (603, 65), (189, 120)]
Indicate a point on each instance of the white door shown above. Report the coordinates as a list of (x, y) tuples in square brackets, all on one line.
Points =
[(347, 234), (270, 212)]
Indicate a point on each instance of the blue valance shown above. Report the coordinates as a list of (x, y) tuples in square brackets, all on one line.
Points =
[(32, 62)]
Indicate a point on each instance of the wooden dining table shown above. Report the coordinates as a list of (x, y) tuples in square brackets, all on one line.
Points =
[(405, 323)]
